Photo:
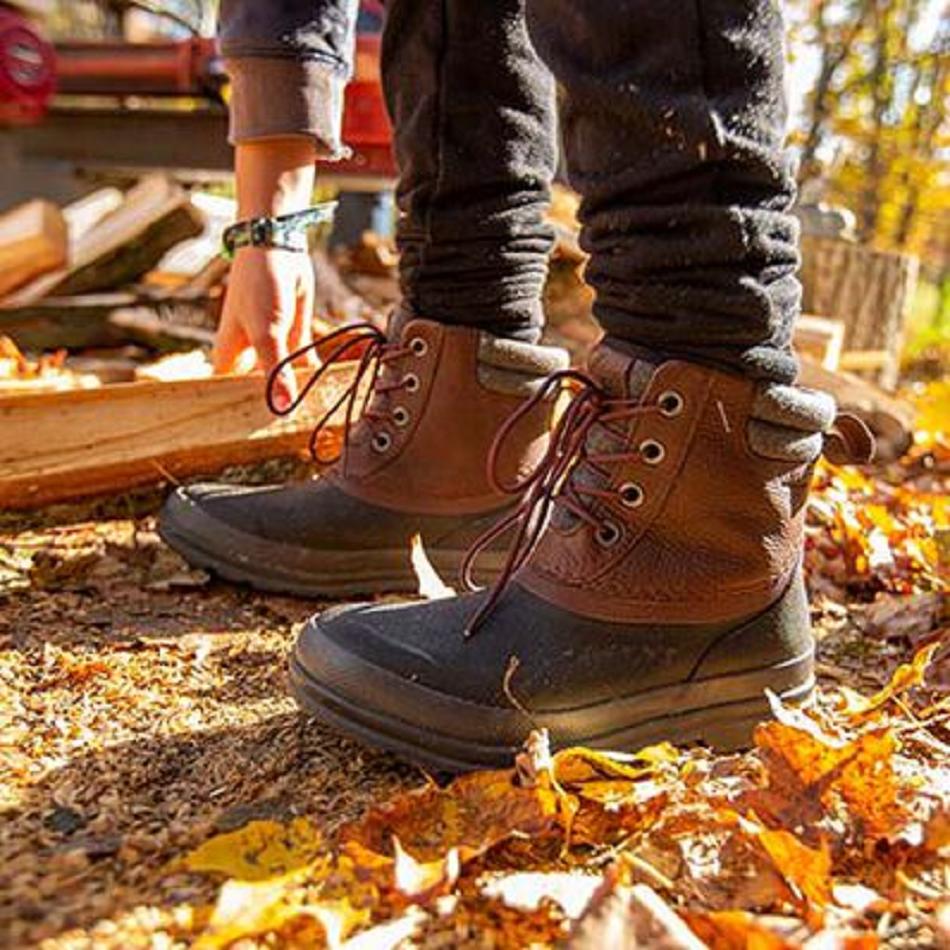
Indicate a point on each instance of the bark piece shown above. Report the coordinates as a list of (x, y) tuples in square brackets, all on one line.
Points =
[(63, 446), (33, 241)]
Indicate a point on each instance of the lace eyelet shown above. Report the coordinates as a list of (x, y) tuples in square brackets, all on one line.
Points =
[(671, 403), (382, 441), (631, 495), (401, 416), (607, 535), (652, 452), (411, 382), (418, 346)]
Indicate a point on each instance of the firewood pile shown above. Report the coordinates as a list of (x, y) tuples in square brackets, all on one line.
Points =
[(108, 309)]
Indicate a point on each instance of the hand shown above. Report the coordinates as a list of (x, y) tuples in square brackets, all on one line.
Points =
[(268, 312), (269, 305)]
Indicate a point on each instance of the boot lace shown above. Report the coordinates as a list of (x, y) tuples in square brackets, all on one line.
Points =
[(550, 481), (374, 351), (575, 442)]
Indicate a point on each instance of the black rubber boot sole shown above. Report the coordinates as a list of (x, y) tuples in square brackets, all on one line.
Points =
[(278, 568), (447, 733)]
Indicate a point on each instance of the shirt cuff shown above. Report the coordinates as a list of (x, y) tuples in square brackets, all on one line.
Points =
[(273, 98)]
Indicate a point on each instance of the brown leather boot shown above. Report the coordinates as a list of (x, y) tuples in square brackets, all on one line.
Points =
[(413, 463), (654, 589)]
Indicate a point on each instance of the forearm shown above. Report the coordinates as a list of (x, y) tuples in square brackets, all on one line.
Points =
[(289, 62), (275, 176)]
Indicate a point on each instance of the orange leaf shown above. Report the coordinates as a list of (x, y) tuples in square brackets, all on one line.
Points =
[(733, 930)]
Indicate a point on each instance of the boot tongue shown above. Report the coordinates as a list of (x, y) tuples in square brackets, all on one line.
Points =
[(623, 372), (398, 320), (620, 369)]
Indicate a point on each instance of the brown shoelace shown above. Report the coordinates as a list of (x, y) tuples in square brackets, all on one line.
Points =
[(550, 481), (375, 351), (848, 441)]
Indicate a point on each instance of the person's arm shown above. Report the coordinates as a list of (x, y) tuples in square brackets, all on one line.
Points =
[(269, 303), (288, 62)]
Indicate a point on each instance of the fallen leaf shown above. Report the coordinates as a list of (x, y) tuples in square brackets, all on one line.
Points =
[(259, 850), (734, 930), (431, 586)]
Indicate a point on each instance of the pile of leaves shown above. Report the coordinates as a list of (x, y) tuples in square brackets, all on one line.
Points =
[(826, 825), (164, 792)]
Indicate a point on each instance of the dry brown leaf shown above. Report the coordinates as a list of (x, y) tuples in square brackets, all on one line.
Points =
[(473, 813), (857, 709)]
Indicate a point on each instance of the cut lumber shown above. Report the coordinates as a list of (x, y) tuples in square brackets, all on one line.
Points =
[(819, 338), (63, 446), (33, 241), (155, 215), (890, 419), (89, 320)]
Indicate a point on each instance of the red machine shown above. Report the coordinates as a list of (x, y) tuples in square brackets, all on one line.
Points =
[(27, 69), (109, 111)]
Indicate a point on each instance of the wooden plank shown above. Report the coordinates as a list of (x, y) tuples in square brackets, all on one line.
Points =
[(862, 360), (33, 242), (62, 446), (155, 216)]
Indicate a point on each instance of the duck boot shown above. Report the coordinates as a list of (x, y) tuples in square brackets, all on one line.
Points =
[(413, 463), (653, 590)]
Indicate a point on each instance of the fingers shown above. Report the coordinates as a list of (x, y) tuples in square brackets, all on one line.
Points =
[(302, 335), (272, 349), (229, 343)]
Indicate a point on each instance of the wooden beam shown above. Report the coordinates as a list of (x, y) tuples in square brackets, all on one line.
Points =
[(33, 242), (63, 446)]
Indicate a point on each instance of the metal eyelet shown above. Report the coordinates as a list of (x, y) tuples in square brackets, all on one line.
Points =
[(671, 403), (652, 452), (631, 495), (418, 346), (382, 441), (411, 382), (401, 416), (607, 535)]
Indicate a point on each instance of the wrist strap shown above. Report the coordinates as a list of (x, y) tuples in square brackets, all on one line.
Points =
[(288, 232)]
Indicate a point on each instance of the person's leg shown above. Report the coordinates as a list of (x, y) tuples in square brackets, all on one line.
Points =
[(474, 131), (474, 114), (663, 595), (674, 126)]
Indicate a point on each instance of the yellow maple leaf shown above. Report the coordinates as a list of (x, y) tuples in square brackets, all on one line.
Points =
[(258, 851)]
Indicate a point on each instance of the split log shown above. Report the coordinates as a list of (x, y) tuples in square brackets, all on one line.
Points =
[(63, 446), (101, 320), (143, 326), (890, 419), (154, 216), (33, 241)]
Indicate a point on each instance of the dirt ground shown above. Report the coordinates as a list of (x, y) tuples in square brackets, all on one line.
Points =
[(144, 709)]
